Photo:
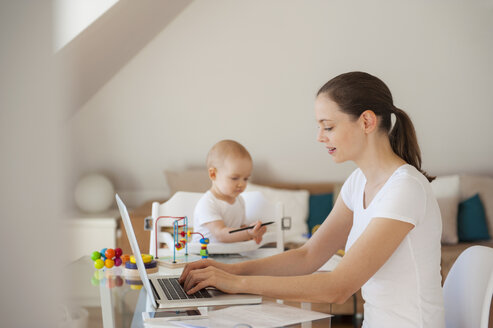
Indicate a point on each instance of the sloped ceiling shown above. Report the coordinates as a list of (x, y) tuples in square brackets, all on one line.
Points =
[(102, 49)]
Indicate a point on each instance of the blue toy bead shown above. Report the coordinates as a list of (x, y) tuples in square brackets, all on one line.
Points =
[(103, 251), (204, 241)]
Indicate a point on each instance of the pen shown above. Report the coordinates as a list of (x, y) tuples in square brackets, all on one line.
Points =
[(251, 227)]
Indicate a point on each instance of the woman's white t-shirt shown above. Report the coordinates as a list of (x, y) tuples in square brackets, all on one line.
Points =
[(209, 209), (406, 291)]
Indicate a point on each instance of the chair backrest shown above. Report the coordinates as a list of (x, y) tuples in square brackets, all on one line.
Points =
[(468, 289), (183, 204)]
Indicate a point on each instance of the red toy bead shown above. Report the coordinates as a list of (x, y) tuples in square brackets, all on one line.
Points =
[(109, 253), (118, 252), (118, 261)]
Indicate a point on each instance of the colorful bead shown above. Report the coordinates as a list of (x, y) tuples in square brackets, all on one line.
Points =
[(99, 264), (95, 255), (109, 253), (109, 263)]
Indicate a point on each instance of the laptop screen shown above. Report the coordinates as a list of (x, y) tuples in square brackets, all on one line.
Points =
[(135, 249)]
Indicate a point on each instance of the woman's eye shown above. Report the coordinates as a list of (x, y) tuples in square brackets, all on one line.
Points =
[(327, 129)]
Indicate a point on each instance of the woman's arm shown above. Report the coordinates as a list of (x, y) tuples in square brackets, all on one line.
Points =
[(330, 237), (375, 245)]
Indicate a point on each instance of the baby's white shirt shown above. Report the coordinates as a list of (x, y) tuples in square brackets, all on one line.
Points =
[(209, 209)]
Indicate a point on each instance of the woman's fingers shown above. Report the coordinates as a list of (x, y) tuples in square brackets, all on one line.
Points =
[(194, 278), (211, 277), (192, 266), (199, 286)]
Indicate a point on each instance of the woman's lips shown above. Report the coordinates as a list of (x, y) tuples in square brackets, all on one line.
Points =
[(331, 150)]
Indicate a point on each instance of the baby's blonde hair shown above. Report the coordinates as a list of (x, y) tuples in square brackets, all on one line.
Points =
[(225, 149)]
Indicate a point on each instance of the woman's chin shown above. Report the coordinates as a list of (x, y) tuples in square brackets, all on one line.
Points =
[(338, 160)]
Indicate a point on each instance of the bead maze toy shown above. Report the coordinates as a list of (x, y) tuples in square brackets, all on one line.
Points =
[(180, 243)]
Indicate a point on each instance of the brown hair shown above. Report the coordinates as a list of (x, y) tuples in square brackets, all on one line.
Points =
[(356, 92), (224, 149)]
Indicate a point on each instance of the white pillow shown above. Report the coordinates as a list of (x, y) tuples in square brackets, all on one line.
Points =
[(295, 205), (447, 192)]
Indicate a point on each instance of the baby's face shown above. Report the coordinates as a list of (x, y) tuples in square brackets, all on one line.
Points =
[(232, 176)]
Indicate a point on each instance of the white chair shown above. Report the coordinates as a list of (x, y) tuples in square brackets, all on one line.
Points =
[(183, 204), (468, 289)]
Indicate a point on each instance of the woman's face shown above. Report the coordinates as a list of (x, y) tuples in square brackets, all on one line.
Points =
[(342, 135)]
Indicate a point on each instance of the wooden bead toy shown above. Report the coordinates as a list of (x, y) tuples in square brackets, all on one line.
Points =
[(95, 255), (114, 256), (99, 264), (203, 248), (109, 253), (145, 257), (125, 258), (109, 263)]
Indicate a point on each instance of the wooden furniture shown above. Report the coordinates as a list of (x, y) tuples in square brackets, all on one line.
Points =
[(90, 232), (137, 216)]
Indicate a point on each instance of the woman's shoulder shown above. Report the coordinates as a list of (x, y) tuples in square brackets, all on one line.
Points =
[(409, 172), (408, 175), (356, 175)]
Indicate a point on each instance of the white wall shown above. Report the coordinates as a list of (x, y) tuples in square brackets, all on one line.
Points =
[(32, 168), (248, 70)]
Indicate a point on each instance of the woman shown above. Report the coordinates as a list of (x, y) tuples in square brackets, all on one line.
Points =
[(386, 217)]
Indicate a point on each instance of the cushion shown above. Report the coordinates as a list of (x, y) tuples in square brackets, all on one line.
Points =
[(295, 205), (447, 192), (193, 180), (319, 208), (482, 185), (472, 220)]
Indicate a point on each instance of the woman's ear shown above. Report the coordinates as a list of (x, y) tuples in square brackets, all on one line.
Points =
[(212, 173), (369, 121)]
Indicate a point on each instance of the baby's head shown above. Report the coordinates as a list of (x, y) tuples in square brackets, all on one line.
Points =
[(229, 165)]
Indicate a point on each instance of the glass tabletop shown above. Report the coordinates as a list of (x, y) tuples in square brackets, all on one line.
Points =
[(106, 298)]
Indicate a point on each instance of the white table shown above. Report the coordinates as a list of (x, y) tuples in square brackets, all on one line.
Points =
[(117, 306)]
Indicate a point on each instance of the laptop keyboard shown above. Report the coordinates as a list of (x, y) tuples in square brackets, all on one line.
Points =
[(174, 291)]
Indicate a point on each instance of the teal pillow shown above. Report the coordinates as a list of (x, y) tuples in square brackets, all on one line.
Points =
[(319, 207), (471, 220)]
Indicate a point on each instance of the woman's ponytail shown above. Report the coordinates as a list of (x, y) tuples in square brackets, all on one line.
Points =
[(404, 141)]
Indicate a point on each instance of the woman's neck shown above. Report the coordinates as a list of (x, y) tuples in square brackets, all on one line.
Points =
[(379, 162)]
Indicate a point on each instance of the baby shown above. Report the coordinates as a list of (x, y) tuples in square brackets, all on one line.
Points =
[(221, 209)]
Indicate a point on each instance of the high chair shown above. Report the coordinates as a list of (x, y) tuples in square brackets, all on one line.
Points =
[(183, 204)]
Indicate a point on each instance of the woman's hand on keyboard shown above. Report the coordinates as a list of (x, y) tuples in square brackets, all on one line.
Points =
[(211, 276)]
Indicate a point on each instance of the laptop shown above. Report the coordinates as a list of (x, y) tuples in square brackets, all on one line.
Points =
[(165, 291)]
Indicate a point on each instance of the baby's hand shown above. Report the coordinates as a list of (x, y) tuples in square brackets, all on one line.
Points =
[(257, 232)]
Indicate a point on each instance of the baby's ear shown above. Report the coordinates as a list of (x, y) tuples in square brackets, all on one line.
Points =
[(212, 173)]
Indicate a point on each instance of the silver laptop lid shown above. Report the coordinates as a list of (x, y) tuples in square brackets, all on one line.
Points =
[(135, 249)]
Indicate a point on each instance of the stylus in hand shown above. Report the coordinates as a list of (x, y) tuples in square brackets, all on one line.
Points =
[(251, 227)]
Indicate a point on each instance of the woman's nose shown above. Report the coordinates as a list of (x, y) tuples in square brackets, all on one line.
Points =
[(321, 137)]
